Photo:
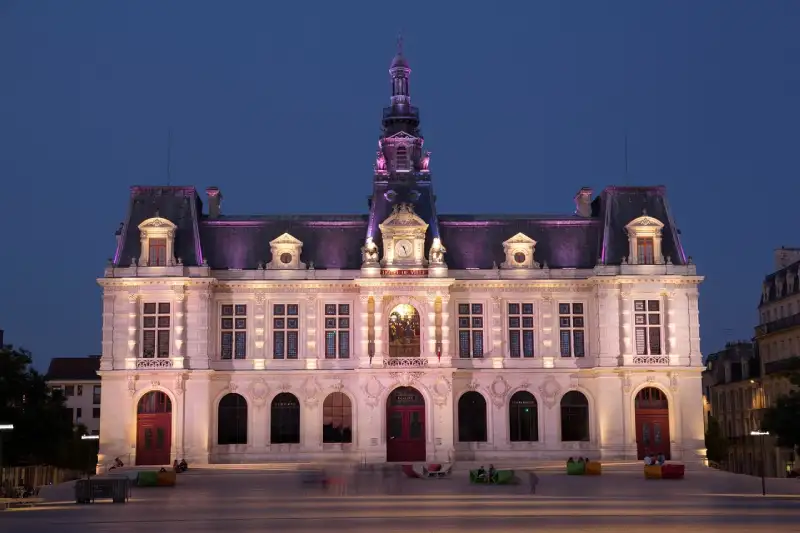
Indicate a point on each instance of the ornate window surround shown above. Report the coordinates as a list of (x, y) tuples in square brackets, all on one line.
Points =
[(644, 227), (157, 228), (269, 352)]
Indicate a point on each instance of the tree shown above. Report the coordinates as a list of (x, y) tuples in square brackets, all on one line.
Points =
[(783, 419), (43, 430), (716, 443)]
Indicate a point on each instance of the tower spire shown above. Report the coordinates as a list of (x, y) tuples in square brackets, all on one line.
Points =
[(400, 115)]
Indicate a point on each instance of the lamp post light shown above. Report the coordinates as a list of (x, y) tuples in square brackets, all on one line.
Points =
[(763, 435), (3, 427), (90, 437)]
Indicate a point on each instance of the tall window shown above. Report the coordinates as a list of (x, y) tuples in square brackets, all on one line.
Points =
[(96, 395), (470, 330), (337, 331), (574, 417), (523, 417), (233, 331), (155, 330), (157, 254), (401, 158), (645, 251), (232, 420), (285, 326), (571, 329), (647, 320), (285, 419), (337, 418), (472, 417), (520, 329)]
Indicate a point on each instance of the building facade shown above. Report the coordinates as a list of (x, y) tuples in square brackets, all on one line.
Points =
[(732, 388), (400, 334), (78, 381), (778, 340)]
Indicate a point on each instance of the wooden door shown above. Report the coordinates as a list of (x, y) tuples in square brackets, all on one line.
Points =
[(652, 435), (405, 434), (154, 439)]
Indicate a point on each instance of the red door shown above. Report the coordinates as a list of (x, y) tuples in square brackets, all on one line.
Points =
[(405, 426), (153, 439), (652, 423)]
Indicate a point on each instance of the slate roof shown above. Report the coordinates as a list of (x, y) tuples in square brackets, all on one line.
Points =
[(74, 369), (335, 241)]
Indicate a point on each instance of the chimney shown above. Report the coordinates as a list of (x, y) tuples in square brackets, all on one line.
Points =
[(583, 202), (786, 256), (214, 202)]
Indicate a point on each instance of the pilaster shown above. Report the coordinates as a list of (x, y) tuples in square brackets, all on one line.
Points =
[(608, 330), (444, 321), (109, 305), (311, 329), (198, 328), (196, 407), (179, 326), (626, 324), (133, 324), (547, 327), (259, 330)]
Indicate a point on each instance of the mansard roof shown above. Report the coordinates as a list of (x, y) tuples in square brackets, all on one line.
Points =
[(335, 241)]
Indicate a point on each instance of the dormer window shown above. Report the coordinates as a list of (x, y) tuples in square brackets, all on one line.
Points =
[(644, 241), (157, 237), (401, 158), (645, 253)]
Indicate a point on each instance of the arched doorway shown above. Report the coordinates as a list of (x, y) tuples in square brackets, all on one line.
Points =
[(154, 429), (285, 419), (405, 425), (523, 417), (652, 422), (232, 420), (404, 340), (574, 417), (472, 417)]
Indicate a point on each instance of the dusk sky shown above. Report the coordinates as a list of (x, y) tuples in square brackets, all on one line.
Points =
[(279, 104)]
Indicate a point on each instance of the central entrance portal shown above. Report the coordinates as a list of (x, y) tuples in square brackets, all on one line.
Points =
[(405, 425)]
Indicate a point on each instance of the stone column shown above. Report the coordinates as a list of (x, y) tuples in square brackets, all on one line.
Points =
[(496, 321), (668, 327), (109, 302), (429, 350), (629, 449), (689, 395), (443, 449), (548, 326), (609, 402), (694, 354), (259, 330), (362, 330), (312, 352), (198, 328), (197, 418), (608, 327), (133, 330), (179, 327), (445, 334), (626, 345)]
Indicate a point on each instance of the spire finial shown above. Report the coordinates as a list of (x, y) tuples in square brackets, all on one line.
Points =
[(400, 43)]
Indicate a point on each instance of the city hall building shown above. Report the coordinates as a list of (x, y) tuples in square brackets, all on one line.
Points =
[(399, 334)]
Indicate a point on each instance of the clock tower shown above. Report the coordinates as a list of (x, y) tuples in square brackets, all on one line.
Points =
[(403, 238)]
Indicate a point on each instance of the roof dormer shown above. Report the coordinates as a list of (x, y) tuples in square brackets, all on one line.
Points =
[(644, 241), (157, 236)]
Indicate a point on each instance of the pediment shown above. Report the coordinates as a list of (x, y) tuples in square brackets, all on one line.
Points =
[(286, 239), (403, 216), (645, 221), (401, 135), (157, 223), (520, 238)]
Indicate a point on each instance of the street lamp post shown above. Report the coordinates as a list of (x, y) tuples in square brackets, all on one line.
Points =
[(3, 427), (763, 435)]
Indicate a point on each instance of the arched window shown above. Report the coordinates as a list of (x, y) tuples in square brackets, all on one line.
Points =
[(337, 418), (523, 417), (651, 398), (472, 417), (285, 414), (574, 417), (232, 420), (154, 402)]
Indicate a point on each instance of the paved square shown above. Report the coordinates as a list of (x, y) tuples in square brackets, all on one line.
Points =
[(247, 500)]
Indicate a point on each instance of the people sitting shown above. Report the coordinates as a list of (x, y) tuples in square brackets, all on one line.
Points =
[(570, 461), (661, 459), (481, 477), (648, 460), (183, 465)]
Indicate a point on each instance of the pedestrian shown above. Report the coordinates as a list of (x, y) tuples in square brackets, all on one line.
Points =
[(534, 480)]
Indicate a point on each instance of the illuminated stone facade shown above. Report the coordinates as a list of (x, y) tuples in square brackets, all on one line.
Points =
[(400, 333)]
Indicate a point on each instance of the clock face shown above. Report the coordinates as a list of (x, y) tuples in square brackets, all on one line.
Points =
[(403, 248), (286, 258), (519, 257)]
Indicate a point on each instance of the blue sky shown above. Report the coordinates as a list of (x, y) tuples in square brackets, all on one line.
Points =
[(278, 103)]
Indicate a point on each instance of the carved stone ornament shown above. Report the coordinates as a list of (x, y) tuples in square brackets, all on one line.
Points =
[(155, 383), (311, 391), (519, 251), (131, 384), (472, 386), (233, 386), (441, 390), (549, 389), (338, 385), (626, 382), (286, 251), (261, 297), (285, 386), (673, 381), (180, 384), (259, 390), (651, 379), (373, 389), (498, 390), (406, 379)]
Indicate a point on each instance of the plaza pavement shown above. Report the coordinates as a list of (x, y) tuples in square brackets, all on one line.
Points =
[(244, 499)]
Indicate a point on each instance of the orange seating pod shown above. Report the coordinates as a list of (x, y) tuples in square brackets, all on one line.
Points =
[(166, 479), (652, 472), (593, 468)]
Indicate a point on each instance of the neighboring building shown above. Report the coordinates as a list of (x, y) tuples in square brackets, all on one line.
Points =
[(400, 334), (778, 338), (732, 387), (77, 378)]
